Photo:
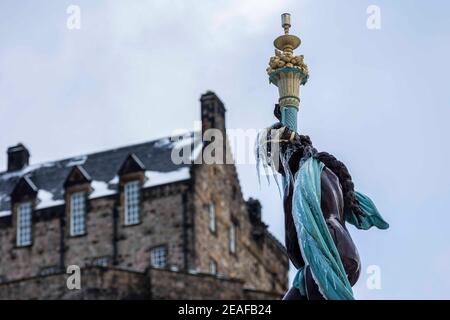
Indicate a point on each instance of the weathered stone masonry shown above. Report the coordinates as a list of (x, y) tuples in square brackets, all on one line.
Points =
[(174, 214)]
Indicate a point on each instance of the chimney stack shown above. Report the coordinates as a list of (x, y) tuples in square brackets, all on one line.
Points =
[(213, 112), (18, 157)]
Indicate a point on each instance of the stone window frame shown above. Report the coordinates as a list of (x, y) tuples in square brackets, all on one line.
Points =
[(232, 238), (136, 200), (78, 181), (25, 192), (131, 170), (158, 249), (102, 261), (85, 189), (213, 267), (74, 206), (19, 241), (212, 217)]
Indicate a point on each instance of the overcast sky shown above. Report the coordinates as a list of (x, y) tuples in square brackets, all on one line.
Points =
[(377, 99)]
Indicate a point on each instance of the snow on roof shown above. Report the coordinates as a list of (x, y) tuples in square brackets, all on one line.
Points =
[(20, 173), (100, 189), (155, 178), (77, 161), (45, 200), (5, 213), (102, 167)]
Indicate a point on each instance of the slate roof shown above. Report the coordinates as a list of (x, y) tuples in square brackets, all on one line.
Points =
[(102, 167)]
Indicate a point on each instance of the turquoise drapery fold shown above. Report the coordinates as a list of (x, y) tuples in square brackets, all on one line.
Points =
[(372, 217), (317, 245)]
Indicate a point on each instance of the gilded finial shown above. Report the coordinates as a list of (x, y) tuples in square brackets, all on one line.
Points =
[(286, 22), (288, 73), (287, 42), (284, 52)]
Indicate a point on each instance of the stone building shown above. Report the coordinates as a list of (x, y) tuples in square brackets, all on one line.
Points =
[(137, 224)]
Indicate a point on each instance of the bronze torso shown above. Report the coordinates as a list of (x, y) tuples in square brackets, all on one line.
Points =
[(332, 205)]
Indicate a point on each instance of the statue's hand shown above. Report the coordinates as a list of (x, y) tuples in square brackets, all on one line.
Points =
[(284, 143), (287, 134)]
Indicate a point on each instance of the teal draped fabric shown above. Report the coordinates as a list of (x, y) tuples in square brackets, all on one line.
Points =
[(372, 217), (317, 245)]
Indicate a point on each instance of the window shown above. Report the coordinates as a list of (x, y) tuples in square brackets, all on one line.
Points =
[(77, 214), (24, 224), (213, 267), (212, 217), (132, 199), (100, 262), (158, 257), (47, 271), (232, 238)]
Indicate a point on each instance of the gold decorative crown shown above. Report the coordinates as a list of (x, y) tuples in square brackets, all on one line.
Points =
[(284, 52)]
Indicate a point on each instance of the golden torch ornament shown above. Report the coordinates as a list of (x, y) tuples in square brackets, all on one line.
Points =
[(288, 72)]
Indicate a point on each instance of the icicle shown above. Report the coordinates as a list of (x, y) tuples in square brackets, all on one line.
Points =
[(286, 157), (258, 158), (264, 157)]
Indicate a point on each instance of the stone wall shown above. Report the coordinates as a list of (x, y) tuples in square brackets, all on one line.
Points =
[(261, 262), (98, 239), (117, 284), (174, 285), (21, 262), (161, 224), (173, 215), (96, 283)]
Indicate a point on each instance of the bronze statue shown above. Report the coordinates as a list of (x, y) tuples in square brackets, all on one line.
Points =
[(319, 195), (337, 197), (337, 192)]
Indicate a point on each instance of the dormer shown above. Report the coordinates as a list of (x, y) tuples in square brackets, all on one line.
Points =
[(77, 187), (23, 200), (132, 178)]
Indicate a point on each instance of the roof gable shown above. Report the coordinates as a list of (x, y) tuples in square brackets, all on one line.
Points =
[(77, 175), (24, 188), (131, 164)]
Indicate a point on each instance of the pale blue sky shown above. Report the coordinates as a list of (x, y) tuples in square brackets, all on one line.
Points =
[(378, 100)]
